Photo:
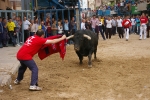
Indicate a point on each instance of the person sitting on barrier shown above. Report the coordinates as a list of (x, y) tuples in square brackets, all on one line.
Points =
[(25, 54)]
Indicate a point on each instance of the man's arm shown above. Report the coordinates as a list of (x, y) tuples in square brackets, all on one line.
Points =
[(55, 40)]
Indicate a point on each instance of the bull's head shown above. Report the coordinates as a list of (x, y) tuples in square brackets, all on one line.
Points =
[(78, 40)]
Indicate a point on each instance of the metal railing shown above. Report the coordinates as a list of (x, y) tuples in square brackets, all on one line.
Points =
[(21, 13)]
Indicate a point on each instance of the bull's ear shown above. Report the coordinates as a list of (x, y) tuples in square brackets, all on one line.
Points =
[(69, 37), (86, 36)]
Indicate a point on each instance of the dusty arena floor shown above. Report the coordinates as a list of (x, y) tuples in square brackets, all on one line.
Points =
[(121, 72)]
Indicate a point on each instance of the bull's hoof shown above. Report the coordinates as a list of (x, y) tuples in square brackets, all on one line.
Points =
[(90, 66)]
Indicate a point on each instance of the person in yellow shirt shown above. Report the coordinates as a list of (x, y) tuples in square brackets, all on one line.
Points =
[(11, 31)]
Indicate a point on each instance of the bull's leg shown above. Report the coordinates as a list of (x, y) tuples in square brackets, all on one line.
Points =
[(80, 57), (90, 62), (95, 53)]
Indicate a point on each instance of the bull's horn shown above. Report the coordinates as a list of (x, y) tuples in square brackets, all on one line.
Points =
[(86, 36), (69, 37)]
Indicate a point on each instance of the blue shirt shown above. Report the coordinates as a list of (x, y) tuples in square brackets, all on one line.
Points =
[(137, 22), (66, 26)]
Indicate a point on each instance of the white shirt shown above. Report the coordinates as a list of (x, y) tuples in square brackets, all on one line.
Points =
[(119, 22), (121, 4), (26, 24), (100, 23), (83, 26), (108, 23), (133, 21), (60, 29)]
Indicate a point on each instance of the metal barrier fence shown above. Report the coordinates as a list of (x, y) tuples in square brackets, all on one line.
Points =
[(20, 13), (42, 15)]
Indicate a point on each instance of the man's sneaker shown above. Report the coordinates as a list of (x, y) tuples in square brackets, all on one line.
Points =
[(35, 88), (18, 45), (16, 82)]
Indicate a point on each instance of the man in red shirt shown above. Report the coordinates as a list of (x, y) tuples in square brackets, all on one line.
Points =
[(143, 27), (25, 54), (126, 24)]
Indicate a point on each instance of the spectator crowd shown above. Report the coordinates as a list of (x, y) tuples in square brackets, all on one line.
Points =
[(11, 29)]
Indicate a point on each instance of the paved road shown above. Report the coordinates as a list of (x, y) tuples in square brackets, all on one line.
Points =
[(8, 64)]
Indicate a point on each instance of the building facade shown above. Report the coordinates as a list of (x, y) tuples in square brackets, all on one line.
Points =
[(93, 4), (4, 4)]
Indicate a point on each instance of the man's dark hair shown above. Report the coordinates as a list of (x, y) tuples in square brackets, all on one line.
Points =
[(40, 32)]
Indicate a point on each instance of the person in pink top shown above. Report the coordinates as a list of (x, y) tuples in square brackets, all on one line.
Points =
[(93, 22), (143, 27)]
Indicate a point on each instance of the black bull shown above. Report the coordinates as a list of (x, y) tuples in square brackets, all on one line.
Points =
[(85, 43)]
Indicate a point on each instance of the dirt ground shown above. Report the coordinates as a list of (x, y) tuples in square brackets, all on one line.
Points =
[(121, 72)]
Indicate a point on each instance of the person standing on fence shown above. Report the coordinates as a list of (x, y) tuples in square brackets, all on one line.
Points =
[(1, 33), (26, 26), (11, 30), (143, 27)]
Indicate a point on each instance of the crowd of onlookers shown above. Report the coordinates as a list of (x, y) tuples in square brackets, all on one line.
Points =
[(11, 29), (108, 26), (15, 31), (126, 4)]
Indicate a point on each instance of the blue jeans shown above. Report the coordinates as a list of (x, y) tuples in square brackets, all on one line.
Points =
[(133, 29), (101, 31), (138, 30), (93, 29), (32, 66)]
